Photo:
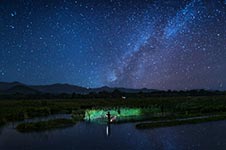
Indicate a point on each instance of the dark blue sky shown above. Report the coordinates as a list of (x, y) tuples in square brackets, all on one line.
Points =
[(160, 44)]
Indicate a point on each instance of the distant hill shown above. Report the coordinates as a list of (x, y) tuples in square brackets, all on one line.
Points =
[(60, 88), (22, 89), (126, 90), (7, 85), (17, 87)]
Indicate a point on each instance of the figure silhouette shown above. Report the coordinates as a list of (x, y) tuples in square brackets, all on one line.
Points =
[(108, 117)]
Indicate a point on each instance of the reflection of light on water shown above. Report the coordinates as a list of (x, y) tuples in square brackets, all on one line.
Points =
[(107, 130)]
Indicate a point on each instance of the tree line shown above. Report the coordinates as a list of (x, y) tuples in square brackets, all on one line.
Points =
[(114, 94)]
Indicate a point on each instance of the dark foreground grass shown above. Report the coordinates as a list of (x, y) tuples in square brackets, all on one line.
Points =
[(45, 125), (166, 108), (169, 123), (2, 123)]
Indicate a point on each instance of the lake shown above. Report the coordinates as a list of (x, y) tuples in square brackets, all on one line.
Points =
[(85, 135)]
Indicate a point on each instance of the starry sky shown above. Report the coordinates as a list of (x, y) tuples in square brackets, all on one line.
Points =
[(160, 44)]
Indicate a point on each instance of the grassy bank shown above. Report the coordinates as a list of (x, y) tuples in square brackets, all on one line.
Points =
[(169, 123), (44, 125), (186, 106)]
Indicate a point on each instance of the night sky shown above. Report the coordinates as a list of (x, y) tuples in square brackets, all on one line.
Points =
[(160, 44)]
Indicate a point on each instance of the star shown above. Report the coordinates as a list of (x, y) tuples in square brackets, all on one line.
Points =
[(136, 44)]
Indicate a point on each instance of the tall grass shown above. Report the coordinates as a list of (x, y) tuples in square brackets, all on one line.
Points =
[(11, 110)]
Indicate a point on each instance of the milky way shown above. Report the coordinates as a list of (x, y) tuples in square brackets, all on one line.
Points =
[(159, 44)]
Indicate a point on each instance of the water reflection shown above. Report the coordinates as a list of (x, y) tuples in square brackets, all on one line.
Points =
[(1, 128), (117, 136), (108, 129)]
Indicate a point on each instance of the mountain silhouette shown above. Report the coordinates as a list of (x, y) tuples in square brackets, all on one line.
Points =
[(22, 89), (17, 87)]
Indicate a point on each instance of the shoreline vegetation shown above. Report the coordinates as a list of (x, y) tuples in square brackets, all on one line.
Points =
[(155, 108), (157, 122), (45, 125), (177, 122)]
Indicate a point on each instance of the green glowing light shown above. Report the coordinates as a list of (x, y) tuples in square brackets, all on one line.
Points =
[(121, 114), (93, 114)]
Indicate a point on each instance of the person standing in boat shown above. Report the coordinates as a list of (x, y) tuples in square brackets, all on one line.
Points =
[(108, 127), (108, 115)]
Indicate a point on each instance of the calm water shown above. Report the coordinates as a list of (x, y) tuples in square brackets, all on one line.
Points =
[(92, 136)]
